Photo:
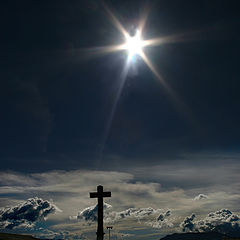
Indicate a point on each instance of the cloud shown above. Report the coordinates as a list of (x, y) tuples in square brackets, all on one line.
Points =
[(138, 213), (187, 224), (90, 213), (145, 215), (162, 216), (223, 221), (49, 234), (200, 197), (27, 213), (162, 220)]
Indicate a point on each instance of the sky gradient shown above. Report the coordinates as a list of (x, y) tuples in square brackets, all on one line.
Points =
[(69, 122)]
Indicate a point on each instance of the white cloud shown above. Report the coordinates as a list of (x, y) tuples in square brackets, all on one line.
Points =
[(27, 213), (187, 224), (162, 220), (223, 221), (90, 213), (156, 218), (200, 197)]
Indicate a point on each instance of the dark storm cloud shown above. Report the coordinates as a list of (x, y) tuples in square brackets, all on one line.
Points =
[(223, 221), (26, 214)]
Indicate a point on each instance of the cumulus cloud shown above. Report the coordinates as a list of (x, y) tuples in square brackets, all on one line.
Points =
[(223, 221), (162, 216), (187, 224), (27, 213), (90, 213), (156, 218), (162, 220), (200, 197), (138, 213)]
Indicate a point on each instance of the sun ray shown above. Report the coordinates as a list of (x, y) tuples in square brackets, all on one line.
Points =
[(115, 21), (99, 51), (180, 105), (143, 18), (122, 80), (106, 49), (175, 38)]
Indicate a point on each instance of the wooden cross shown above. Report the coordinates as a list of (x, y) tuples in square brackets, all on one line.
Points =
[(100, 195)]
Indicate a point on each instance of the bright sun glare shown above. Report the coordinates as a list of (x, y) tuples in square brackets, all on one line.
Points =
[(134, 44)]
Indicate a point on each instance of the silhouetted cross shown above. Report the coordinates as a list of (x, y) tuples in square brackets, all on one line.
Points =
[(100, 195)]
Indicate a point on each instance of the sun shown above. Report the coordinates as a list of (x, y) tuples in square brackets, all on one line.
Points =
[(134, 44)]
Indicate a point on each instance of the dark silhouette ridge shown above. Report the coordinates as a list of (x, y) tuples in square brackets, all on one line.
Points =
[(199, 236), (100, 195), (10, 236)]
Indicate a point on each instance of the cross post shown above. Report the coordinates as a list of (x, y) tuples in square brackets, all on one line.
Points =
[(100, 195)]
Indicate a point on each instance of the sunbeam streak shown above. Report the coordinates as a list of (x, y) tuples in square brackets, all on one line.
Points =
[(178, 102), (175, 38), (144, 17), (115, 21), (99, 51), (122, 80)]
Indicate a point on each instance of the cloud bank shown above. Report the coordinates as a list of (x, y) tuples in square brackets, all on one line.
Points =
[(147, 215), (90, 213), (223, 221), (138, 213), (27, 213), (139, 206)]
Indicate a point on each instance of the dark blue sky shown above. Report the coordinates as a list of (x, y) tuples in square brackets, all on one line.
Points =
[(56, 97), (163, 156)]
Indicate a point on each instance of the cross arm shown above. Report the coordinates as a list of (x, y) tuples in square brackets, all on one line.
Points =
[(93, 195), (103, 194), (106, 194)]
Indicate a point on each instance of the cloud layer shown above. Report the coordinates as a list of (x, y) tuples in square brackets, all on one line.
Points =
[(137, 201), (27, 213), (223, 221), (155, 218)]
